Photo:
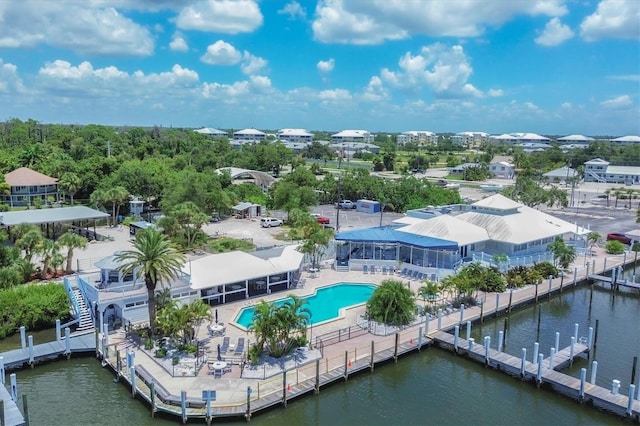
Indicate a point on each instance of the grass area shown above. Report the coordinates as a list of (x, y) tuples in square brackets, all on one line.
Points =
[(226, 244)]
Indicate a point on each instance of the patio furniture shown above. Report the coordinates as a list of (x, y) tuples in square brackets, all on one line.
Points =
[(240, 347), (364, 269), (384, 270), (404, 272), (225, 344)]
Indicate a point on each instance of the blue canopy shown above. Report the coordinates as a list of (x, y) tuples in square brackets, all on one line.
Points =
[(392, 235)]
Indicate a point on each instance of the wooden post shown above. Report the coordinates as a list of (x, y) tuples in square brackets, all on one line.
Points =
[(97, 342), (247, 414), (561, 281), (633, 369), (118, 365), (419, 339), (152, 391), (537, 284), (284, 388), (595, 339), (346, 365), (504, 329), (575, 275), (395, 350), (316, 389), (371, 363), (583, 379), (497, 303), (481, 312), (183, 406), (2, 420), (510, 300), (25, 409)]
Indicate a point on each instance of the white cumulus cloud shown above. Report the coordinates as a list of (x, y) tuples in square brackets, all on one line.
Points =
[(622, 101), (251, 64), (326, 67), (10, 81), (375, 90), (555, 33), (613, 19), (178, 43), (221, 53), (294, 10), (221, 16)]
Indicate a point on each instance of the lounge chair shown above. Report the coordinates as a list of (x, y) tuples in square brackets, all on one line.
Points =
[(225, 344), (405, 271), (415, 275), (364, 269), (384, 270), (239, 347), (373, 269)]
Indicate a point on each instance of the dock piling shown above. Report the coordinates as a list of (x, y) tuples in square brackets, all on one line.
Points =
[(604, 268), (575, 276), (183, 406), (594, 372), (561, 282), (132, 372), (456, 332), (550, 283), (633, 369), (523, 362), (31, 360), (481, 311), (583, 378), (615, 386), (471, 341), (419, 339), (14, 387), (536, 348), (632, 392), (440, 319), (316, 388), (539, 373), (395, 350), (371, 363), (557, 345), (58, 331), (595, 339), (2, 371), (576, 326), (23, 337), (468, 330), (500, 340), (461, 313), (571, 348), (504, 331), (284, 387), (487, 346), (497, 304), (67, 342), (247, 415), (152, 396), (25, 409), (510, 300), (537, 285), (551, 354)]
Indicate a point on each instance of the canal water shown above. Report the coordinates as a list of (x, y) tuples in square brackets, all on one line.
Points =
[(431, 387)]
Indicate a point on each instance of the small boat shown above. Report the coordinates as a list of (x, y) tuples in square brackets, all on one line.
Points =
[(491, 187)]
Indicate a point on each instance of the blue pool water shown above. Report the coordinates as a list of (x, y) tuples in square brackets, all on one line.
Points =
[(325, 304)]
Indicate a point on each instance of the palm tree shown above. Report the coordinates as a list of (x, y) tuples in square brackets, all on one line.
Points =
[(71, 184), (593, 238), (155, 259), (71, 241), (29, 237), (429, 291), (116, 196), (607, 192), (47, 249), (617, 193), (392, 303)]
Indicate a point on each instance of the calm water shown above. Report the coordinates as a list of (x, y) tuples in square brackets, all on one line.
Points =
[(325, 304), (432, 387)]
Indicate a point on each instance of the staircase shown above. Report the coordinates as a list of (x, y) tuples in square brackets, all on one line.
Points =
[(596, 176), (341, 268), (86, 323)]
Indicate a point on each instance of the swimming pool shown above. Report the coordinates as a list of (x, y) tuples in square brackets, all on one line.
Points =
[(324, 305)]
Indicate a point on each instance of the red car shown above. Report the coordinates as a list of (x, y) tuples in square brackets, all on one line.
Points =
[(619, 237), (321, 219)]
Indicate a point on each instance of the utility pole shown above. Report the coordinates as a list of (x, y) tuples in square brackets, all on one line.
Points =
[(338, 204)]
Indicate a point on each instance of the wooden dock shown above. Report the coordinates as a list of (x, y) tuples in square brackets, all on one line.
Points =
[(19, 358), (618, 283), (560, 382), (12, 415)]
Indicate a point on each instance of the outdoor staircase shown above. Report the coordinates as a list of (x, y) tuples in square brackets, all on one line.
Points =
[(86, 323), (342, 268), (596, 176)]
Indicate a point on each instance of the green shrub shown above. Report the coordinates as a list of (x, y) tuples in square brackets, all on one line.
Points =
[(253, 355), (34, 306), (148, 344), (545, 269), (160, 353), (175, 360), (614, 247)]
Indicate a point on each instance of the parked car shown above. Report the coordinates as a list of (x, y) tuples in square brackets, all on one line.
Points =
[(321, 219), (346, 204), (268, 222), (619, 237)]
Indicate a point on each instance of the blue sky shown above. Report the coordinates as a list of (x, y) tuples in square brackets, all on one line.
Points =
[(554, 67)]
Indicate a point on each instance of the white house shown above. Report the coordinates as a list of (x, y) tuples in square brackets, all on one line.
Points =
[(470, 139), (575, 139), (599, 170), (213, 133), (295, 135), (626, 140), (249, 134), (502, 167), (347, 136)]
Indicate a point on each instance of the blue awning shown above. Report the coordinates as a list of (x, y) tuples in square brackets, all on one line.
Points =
[(391, 235)]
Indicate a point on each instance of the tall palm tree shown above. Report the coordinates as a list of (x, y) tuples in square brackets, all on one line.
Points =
[(116, 196), (47, 249), (71, 241), (71, 183), (155, 259), (593, 238)]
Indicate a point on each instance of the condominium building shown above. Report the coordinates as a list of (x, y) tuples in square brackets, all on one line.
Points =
[(249, 134), (420, 137), (295, 135), (347, 136)]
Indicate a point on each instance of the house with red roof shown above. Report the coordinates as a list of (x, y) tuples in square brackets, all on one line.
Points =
[(28, 185)]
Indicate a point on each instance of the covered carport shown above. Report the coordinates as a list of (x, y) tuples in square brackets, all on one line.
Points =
[(56, 221)]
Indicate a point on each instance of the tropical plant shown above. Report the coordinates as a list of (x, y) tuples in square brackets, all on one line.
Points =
[(71, 241), (563, 255), (28, 238), (316, 239), (47, 250), (391, 303), (593, 238), (71, 184), (428, 292), (155, 259), (280, 328), (614, 247)]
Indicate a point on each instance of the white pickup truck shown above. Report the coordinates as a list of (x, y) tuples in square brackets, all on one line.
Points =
[(346, 204)]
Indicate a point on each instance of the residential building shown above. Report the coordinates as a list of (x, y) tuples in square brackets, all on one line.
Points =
[(295, 135), (502, 167), (626, 140), (212, 133), (560, 175), (351, 136), (599, 170), (575, 139), (420, 137), (470, 139), (249, 135), (28, 185)]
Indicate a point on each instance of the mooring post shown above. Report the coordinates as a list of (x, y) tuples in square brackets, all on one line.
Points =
[(23, 337), (553, 352), (576, 326), (510, 300), (456, 331), (500, 340), (583, 379), (31, 359), (595, 339), (316, 388), (575, 276), (284, 388), (183, 406), (97, 334), (505, 337), (487, 346), (587, 276), (468, 330), (58, 331), (590, 338), (615, 386), (573, 342), (247, 414), (594, 372), (557, 345), (152, 392), (523, 362), (593, 266), (550, 283), (633, 369), (497, 303), (25, 409), (561, 281), (395, 351), (2, 371), (426, 324), (132, 372), (604, 268), (539, 374), (537, 285), (440, 319), (371, 363), (471, 340), (118, 365), (482, 311), (419, 339), (2, 420), (461, 313), (14, 387), (346, 365), (632, 393), (536, 348), (67, 342)]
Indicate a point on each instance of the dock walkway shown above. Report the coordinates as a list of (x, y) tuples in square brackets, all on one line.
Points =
[(562, 383), (619, 282), (12, 415), (19, 358)]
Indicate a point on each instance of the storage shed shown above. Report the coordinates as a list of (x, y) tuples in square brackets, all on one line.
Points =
[(368, 206)]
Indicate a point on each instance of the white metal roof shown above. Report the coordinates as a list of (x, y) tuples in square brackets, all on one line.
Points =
[(249, 132), (351, 133), (209, 131), (525, 225), (623, 170), (575, 138), (235, 266), (448, 227), (294, 132), (53, 215), (635, 139), (498, 202)]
